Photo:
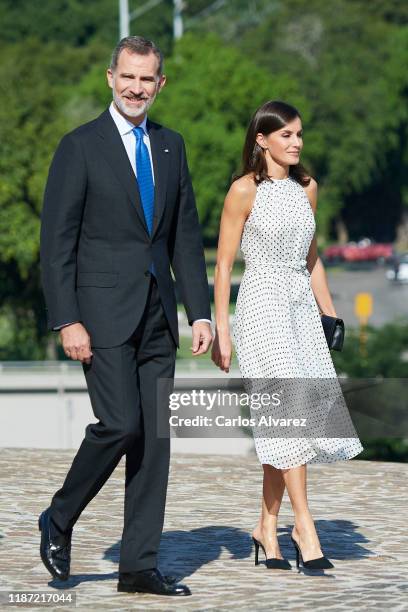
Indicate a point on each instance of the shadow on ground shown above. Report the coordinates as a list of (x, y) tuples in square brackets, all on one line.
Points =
[(182, 553)]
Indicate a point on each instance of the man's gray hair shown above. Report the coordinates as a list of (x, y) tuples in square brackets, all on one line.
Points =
[(137, 44)]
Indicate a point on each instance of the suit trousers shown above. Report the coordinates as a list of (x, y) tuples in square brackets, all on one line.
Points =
[(122, 384)]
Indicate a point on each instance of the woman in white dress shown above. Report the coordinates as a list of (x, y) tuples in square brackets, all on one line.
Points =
[(269, 212)]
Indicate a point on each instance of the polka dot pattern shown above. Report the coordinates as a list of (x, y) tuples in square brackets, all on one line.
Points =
[(278, 333)]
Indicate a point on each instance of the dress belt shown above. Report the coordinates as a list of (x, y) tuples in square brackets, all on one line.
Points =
[(299, 265)]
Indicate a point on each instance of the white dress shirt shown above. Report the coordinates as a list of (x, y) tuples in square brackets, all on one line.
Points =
[(125, 129)]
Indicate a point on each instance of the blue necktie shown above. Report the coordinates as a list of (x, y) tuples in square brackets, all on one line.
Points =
[(144, 179)]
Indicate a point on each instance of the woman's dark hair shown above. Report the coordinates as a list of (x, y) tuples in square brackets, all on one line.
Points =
[(269, 117)]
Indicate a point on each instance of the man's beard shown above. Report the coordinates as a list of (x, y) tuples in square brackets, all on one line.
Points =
[(131, 111)]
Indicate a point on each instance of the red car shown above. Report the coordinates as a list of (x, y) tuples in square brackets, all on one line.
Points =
[(363, 250)]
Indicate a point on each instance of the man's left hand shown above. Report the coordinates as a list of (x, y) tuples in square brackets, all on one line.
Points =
[(202, 337)]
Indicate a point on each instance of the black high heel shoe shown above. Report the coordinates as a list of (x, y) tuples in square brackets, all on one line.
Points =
[(318, 563), (272, 562)]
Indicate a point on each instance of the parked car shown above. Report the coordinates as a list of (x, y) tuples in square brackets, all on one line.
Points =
[(363, 250), (399, 271)]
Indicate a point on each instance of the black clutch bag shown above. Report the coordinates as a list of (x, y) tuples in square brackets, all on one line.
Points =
[(334, 331)]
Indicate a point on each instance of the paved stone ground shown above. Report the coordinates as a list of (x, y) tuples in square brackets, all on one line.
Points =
[(212, 506)]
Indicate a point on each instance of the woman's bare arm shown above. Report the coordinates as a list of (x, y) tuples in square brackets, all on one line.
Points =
[(315, 266), (237, 206)]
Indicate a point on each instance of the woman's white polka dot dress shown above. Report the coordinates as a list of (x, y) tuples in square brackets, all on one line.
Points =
[(278, 333)]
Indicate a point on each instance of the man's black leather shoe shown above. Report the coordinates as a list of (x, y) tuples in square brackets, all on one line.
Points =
[(150, 581), (55, 551)]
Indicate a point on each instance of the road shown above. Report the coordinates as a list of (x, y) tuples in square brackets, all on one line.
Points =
[(212, 505)]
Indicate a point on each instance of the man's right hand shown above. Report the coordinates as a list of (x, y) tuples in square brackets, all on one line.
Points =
[(76, 342)]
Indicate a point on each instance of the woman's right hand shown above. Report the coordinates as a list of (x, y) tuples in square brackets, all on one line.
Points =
[(222, 351)]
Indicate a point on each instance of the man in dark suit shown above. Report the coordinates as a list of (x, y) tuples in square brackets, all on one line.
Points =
[(119, 212)]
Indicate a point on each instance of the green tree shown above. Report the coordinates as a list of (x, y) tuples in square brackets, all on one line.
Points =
[(77, 23), (36, 110), (349, 64), (212, 92)]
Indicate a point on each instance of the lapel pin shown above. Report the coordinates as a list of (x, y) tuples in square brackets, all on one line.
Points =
[(166, 150)]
